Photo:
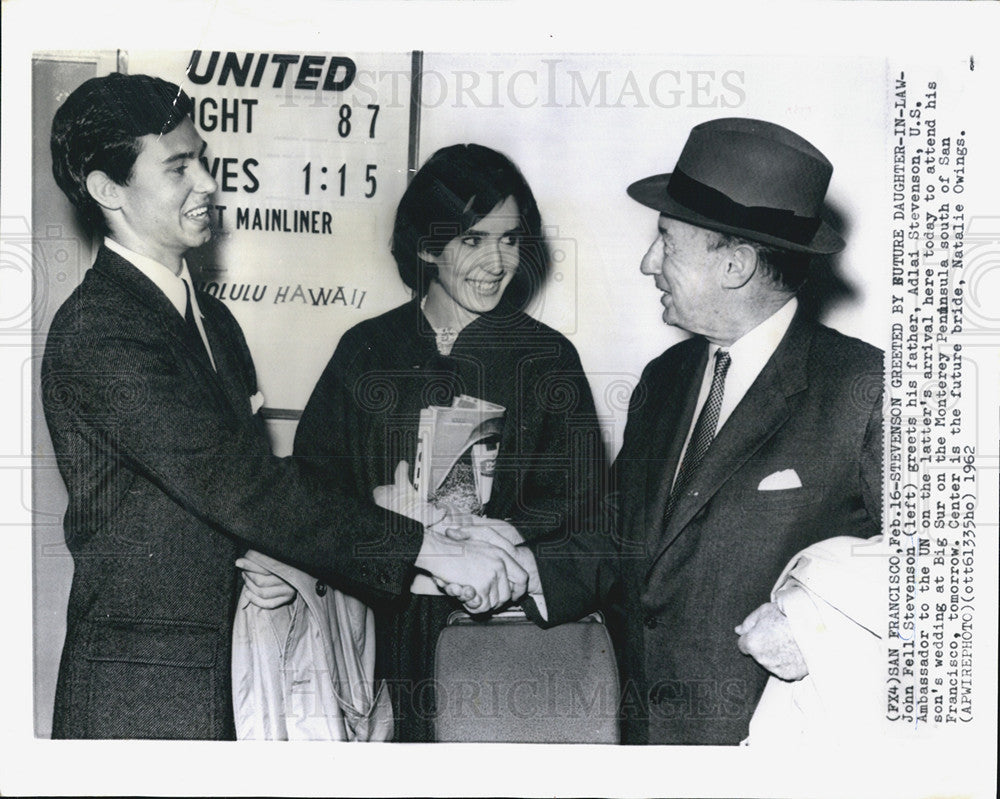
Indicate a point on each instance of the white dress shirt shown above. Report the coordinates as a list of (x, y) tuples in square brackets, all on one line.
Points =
[(749, 354), (172, 285)]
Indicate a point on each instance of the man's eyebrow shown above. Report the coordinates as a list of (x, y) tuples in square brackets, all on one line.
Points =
[(187, 155)]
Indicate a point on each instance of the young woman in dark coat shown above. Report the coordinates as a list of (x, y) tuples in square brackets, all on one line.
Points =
[(468, 241)]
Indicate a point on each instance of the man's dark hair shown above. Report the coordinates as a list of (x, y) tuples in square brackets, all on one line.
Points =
[(99, 127), (785, 268), (457, 187)]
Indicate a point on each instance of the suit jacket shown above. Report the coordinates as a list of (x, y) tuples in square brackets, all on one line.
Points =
[(170, 478), (814, 408)]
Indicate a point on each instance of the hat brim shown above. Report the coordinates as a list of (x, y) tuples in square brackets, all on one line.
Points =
[(652, 192)]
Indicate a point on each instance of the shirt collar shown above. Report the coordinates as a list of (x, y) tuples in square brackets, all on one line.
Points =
[(163, 277), (760, 343)]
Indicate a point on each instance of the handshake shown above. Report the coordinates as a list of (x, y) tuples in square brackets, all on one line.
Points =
[(478, 561), (481, 562)]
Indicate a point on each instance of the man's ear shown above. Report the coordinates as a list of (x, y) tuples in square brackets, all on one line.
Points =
[(104, 190), (740, 266), (426, 256)]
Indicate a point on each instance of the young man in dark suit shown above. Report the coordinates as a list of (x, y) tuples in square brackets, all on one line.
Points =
[(150, 395), (753, 439)]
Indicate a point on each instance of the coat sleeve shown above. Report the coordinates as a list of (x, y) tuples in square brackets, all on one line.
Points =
[(136, 404), (582, 571), (559, 481), (579, 572)]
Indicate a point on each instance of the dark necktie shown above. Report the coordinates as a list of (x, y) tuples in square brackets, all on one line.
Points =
[(194, 333), (704, 432)]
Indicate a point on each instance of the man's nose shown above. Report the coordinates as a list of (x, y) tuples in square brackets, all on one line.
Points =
[(204, 183), (652, 261)]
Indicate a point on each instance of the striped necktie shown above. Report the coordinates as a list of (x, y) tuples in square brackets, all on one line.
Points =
[(704, 432)]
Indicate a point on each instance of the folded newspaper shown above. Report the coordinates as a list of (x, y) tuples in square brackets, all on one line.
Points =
[(453, 442)]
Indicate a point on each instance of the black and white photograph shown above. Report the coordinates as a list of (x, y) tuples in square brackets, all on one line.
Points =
[(569, 415)]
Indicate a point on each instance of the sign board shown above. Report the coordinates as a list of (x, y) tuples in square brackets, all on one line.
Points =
[(309, 151)]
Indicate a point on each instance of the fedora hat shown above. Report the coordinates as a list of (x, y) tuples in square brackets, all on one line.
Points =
[(748, 178)]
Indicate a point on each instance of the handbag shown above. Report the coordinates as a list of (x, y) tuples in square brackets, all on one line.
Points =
[(504, 679)]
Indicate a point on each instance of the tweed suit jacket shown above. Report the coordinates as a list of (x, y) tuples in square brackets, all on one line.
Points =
[(815, 409), (170, 478)]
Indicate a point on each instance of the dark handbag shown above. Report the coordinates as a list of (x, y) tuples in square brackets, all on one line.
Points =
[(506, 680)]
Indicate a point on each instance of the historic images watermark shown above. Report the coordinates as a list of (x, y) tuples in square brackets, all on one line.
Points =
[(553, 83)]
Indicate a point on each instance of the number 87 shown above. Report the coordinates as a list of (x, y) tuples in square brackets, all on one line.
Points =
[(344, 123)]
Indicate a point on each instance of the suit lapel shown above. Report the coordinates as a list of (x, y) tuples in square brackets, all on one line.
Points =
[(228, 369), (665, 440), (162, 313), (759, 415)]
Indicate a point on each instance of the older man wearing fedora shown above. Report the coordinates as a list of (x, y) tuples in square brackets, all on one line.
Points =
[(754, 438)]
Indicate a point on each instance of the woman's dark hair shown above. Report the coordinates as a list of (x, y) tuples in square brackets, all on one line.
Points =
[(457, 187), (99, 127)]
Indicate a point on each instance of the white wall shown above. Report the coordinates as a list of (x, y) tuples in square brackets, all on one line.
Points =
[(579, 154)]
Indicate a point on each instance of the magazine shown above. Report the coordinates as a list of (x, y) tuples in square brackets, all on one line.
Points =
[(454, 441)]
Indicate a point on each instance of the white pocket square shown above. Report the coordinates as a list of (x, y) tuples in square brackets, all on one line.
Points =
[(256, 402), (786, 478)]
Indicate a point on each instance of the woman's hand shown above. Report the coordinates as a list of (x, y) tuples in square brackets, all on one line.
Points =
[(402, 498), (264, 589)]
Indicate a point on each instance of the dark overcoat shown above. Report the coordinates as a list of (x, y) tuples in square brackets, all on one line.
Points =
[(363, 418), (170, 478), (815, 409)]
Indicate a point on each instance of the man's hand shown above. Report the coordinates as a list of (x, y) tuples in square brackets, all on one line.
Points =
[(495, 531), (480, 527), (264, 589), (767, 637), (489, 569), (470, 558), (402, 498)]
